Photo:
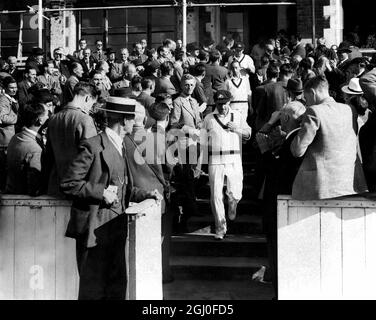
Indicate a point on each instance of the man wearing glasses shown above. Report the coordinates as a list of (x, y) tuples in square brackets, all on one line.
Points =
[(99, 54)]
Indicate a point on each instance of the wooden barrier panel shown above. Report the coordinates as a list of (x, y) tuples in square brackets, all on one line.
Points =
[(37, 262), (327, 248)]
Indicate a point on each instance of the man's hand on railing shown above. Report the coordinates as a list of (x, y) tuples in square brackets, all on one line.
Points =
[(154, 195)]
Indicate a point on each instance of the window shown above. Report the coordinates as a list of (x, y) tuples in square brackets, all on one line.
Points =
[(10, 33), (123, 27)]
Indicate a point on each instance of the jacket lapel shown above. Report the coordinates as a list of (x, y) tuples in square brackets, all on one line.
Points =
[(106, 153), (190, 109)]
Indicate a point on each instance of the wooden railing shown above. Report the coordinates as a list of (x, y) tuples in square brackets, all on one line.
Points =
[(37, 262), (327, 248)]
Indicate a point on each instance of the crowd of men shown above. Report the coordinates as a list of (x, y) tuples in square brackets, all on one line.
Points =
[(79, 125)]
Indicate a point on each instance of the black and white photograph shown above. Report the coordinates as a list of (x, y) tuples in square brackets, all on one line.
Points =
[(171, 151)]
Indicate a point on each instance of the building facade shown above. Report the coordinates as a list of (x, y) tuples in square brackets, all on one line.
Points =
[(159, 19)]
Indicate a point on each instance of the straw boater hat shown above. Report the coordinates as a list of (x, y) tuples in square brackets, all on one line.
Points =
[(123, 106), (353, 87)]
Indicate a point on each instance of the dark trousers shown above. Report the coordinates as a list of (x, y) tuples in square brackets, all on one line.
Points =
[(102, 268), (3, 168)]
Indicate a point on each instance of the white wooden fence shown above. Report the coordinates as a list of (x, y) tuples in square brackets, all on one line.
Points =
[(327, 248), (37, 262)]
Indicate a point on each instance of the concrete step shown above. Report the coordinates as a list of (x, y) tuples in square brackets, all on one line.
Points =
[(243, 224), (215, 268), (245, 206), (198, 244)]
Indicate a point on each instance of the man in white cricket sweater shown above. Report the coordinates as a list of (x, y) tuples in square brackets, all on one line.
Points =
[(223, 131)]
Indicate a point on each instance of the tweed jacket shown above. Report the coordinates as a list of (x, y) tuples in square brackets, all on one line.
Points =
[(8, 118), (85, 179), (66, 130), (118, 71), (24, 164), (52, 83), (327, 139), (185, 113)]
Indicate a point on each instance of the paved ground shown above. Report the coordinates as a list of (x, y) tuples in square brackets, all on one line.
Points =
[(220, 290)]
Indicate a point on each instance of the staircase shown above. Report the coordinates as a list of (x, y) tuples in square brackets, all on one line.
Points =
[(196, 255)]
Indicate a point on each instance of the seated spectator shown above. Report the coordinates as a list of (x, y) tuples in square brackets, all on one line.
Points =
[(130, 71), (327, 140), (88, 64), (35, 61), (13, 69), (104, 68), (30, 80), (76, 76), (50, 79), (97, 81), (119, 68), (137, 57), (25, 155)]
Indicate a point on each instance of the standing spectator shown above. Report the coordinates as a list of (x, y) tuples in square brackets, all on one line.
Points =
[(36, 60), (164, 84), (111, 60), (101, 185), (13, 69), (25, 154), (104, 68), (215, 72), (61, 65), (245, 61), (180, 59), (137, 57), (272, 96), (30, 80), (199, 92), (67, 129), (193, 51), (50, 79), (305, 71), (185, 117), (97, 81), (130, 72), (146, 99), (343, 52), (327, 140), (144, 44), (99, 54), (76, 76), (8, 119), (88, 64), (240, 90), (270, 52), (82, 45), (225, 128), (297, 48), (119, 69)]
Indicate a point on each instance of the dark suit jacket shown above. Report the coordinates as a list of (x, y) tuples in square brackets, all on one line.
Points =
[(87, 72), (269, 98), (23, 95), (147, 102), (85, 179), (66, 130), (217, 76), (63, 68), (164, 85), (24, 159), (299, 50), (16, 74), (199, 93)]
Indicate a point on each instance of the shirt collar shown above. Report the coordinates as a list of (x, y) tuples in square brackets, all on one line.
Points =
[(115, 139), (10, 98), (291, 132), (32, 132)]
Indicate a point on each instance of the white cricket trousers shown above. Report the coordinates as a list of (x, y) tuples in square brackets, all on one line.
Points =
[(217, 173)]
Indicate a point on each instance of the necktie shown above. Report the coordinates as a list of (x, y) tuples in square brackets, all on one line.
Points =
[(194, 113)]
